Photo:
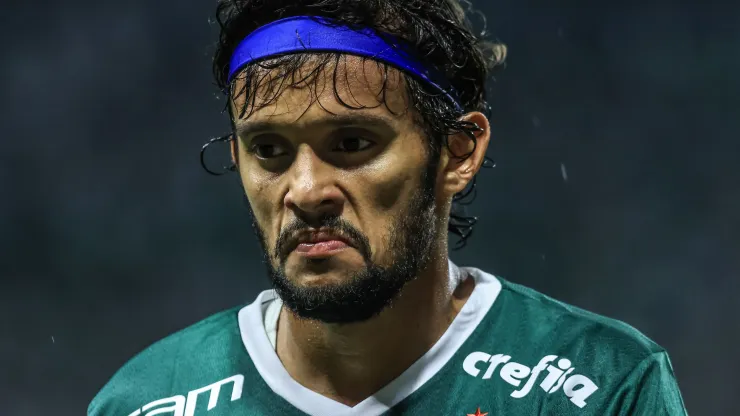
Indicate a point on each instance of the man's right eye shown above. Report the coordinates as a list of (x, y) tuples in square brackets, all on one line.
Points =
[(267, 151)]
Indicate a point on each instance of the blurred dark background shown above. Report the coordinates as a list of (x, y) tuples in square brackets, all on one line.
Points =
[(617, 138)]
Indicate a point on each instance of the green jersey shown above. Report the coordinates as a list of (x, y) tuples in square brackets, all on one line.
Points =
[(510, 351)]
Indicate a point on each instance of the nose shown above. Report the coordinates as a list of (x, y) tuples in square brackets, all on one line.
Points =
[(313, 191)]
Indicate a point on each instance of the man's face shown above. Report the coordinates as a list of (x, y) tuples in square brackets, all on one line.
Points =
[(342, 199)]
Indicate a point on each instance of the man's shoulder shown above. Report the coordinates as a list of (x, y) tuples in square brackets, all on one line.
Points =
[(201, 351), (207, 338), (563, 323), (548, 351)]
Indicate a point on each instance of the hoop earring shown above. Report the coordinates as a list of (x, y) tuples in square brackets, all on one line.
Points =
[(226, 169)]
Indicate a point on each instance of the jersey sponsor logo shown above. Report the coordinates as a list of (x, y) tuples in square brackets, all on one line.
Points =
[(558, 375), (185, 405)]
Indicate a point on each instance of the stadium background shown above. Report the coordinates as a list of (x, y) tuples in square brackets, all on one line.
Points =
[(616, 131)]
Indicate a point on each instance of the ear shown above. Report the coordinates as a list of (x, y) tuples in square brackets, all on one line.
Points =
[(457, 173)]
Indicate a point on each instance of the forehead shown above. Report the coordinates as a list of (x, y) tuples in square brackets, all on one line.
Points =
[(322, 88)]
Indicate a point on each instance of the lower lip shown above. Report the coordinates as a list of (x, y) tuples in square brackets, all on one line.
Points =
[(320, 249)]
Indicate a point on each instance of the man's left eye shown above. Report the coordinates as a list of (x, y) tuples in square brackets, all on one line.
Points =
[(353, 144)]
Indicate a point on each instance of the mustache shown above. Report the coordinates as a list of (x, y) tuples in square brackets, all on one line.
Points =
[(332, 224)]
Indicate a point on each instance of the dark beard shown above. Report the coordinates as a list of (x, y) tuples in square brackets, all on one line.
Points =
[(369, 291)]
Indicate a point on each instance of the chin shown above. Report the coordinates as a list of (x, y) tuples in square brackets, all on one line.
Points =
[(315, 272)]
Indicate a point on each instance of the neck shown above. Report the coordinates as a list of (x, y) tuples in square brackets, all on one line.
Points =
[(350, 362)]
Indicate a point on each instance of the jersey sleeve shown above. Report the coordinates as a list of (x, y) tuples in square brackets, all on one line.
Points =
[(651, 389)]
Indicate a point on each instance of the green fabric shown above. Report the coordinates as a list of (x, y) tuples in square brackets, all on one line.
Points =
[(610, 369)]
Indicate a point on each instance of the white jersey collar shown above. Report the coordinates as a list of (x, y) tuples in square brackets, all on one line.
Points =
[(256, 338)]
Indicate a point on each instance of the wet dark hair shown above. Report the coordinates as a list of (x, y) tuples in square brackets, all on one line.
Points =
[(439, 32)]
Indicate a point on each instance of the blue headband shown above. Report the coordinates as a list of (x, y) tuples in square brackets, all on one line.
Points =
[(304, 33)]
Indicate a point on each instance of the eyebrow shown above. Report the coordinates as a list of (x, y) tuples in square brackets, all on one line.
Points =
[(246, 128)]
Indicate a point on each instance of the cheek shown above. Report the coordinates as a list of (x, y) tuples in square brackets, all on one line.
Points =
[(394, 178), (384, 199), (388, 194), (261, 202), (387, 186)]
